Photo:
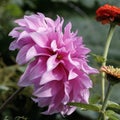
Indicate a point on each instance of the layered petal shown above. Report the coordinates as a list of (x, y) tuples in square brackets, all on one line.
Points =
[(56, 62)]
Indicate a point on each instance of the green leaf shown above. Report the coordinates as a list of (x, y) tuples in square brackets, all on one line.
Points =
[(98, 58), (93, 107), (112, 115), (113, 105), (6, 118), (20, 118), (3, 87), (95, 99)]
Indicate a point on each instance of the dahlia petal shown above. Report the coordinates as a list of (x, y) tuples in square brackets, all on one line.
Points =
[(50, 22), (25, 54), (13, 45), (41, 15), (51, 110), (87, 69), (57, 21), (85, 95), (59, 24), (39, 39), (14, 33), (76, 88), (31, 53), (84, 50), (41, 30), (23, 34), (72, 75), (52, 62), (21, 22), (31, 22), (67, 90), (24, 81), (32, 71), (54, 45), (40, 68), (51, 76), (69, 111), (42, 102), (47, 90), (85, 81), (23, 39), (55, 106), (44, 92), (67, 30), (75, 63), (47, 77)]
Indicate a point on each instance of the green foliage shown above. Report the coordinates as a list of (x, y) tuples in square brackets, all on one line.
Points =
[(113, 105), (20, 118), (98, 58), (16, 118), (14, 10), (83, 106), (6, 118), (112, 115)]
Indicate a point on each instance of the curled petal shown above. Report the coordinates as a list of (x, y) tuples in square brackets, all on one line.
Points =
[(52, 62), (23, 56), (39, 39), (13, 45), (57, 74), (72, 75), (57, 65), (47, 90), (87, 69)]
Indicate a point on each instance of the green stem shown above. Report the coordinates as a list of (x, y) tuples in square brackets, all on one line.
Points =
[(10, 99), (107, 45), (102, 115)]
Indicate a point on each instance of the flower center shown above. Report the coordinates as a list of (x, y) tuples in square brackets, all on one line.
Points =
[(59, 57)]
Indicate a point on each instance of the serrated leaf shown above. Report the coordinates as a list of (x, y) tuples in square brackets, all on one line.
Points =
[(93, 107), (112, 115)]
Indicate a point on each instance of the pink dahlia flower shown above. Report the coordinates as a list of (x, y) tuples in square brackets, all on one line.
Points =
[(57, 62)]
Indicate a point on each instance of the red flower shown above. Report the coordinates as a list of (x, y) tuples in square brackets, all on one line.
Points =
[(108, 14)]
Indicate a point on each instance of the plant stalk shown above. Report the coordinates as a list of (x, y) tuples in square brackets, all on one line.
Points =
[(105, 54), (10, 98), (104, 105)]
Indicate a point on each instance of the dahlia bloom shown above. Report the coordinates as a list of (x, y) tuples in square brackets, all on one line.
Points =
[(56, 61), (108, 14)]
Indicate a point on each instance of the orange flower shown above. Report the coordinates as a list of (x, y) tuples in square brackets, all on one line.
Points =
[(113, 74), (108, 14)]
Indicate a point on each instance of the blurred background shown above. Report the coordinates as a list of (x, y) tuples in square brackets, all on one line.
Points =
[(81, 13)]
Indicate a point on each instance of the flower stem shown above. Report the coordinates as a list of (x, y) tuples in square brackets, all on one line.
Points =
[(105, 102), (10, 98), (107, 45)]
